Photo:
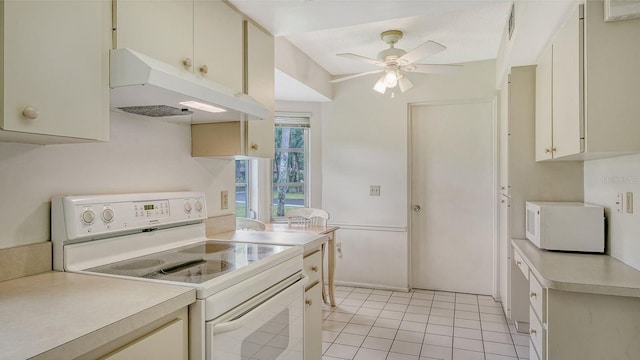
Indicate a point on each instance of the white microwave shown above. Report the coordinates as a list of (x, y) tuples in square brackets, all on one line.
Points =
[(565, 226)]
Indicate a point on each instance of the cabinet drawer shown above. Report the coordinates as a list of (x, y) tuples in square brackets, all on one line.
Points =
[(537, 334), (312, 266), (517, 258), (537, 298), (313, 323)]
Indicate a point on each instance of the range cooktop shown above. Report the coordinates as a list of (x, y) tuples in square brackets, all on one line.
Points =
[(194, 263)]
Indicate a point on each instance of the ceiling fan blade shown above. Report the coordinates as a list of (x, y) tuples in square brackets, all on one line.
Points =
[(349, 77), (427, 49), (361, 58), (432, 69)]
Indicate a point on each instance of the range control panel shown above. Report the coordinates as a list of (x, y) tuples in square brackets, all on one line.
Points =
[(108, 215)]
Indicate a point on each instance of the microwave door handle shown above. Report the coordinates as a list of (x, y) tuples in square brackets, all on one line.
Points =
[(247, 316)]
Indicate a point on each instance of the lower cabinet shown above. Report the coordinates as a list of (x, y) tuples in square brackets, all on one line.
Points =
[(579, 325), (164, 339), (313, 305)]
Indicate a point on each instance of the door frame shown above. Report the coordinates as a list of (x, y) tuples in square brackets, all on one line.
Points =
[(493, 100)]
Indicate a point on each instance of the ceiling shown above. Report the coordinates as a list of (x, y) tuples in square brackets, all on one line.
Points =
[(471, 30)]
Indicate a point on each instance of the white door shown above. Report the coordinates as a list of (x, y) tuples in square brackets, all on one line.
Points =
[(452, 181)]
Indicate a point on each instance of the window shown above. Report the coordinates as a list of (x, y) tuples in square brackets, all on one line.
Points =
[(242, 188), (290, 164)]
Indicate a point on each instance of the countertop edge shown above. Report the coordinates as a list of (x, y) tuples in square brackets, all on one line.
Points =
[(582, 287), (248, 236), (119, 328)]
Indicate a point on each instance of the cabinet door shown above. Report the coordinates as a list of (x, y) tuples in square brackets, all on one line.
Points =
[(260, 85), (504, 259), (166, 343), (218, 43), (567, 87), (313, 323), (544, 73), (56, 60), (160, 29)]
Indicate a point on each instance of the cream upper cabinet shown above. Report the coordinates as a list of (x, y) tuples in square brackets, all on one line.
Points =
[(160, 29), (201, 36), (567, 87), (261, 86), (55, 83), (252, 138), (218, 43), (593, 111), (544, 139)]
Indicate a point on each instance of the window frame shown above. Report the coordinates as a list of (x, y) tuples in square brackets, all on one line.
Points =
[(293, 120)]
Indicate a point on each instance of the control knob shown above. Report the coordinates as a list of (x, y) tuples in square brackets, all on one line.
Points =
[(198, 205), (107, 214), (88, 216), (187, 207)]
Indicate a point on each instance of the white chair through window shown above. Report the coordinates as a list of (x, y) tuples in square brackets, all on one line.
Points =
[(250, 224), (307, 216)]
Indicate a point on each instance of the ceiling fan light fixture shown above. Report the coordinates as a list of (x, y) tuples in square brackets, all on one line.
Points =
[(380, 86), (404, 83)]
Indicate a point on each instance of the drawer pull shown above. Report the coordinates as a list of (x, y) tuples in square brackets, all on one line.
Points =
[(532, 331), (314, 268), (533, 294), (187, 62), (518, 262), (308, 302)]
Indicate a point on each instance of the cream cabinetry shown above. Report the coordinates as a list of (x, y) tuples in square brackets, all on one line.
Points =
[(523, 179), (592, 115), (201, 36), (55, 79), (167, 342), (582, 306), (313, 305), (245, 138)]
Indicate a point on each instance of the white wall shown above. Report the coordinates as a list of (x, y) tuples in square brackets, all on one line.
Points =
[(365, 142), (603, 179), (144, 155)]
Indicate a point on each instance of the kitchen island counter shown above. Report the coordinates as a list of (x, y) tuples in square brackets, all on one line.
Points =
[(61, 315)]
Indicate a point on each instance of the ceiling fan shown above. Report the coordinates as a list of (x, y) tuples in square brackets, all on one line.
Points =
[(395, 62)]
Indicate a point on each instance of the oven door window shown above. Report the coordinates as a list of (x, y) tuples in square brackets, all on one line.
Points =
[(270, 330)]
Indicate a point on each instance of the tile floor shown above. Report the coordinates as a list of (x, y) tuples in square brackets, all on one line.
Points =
[(371, 324)]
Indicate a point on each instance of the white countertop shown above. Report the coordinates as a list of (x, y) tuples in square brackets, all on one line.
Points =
[(587, 273), (69, 314), (307, 240)]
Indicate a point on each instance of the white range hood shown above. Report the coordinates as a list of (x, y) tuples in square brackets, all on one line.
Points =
[(145, 86)]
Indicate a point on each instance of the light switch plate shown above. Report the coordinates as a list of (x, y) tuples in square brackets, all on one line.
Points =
[(629, 202), (619, 203), (374, 190), (224, 200)]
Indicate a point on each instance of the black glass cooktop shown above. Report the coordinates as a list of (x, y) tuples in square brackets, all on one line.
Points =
[(194, 263)]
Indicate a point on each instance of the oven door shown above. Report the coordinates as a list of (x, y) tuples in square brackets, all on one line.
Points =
[(268, 327)]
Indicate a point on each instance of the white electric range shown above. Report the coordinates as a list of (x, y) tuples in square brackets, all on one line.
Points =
[(249, 296)]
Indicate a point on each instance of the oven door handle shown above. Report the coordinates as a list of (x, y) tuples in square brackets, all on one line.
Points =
[(251, 313)]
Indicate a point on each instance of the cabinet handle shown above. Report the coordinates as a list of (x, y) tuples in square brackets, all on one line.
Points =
[(314, 268), (502, 201), (532, 294), (187, 62), (254, 147), (502, 187), (547, 150), (532, 331), (308, 302), (30, 112), (518, 262), (553, 149), (204, 69)]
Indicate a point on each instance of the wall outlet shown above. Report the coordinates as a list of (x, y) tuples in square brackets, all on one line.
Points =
[(224, 200), (339, 249), (629, 202), (374, 190)]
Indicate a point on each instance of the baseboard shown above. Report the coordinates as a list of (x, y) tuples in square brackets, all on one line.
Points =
[(370, 286)]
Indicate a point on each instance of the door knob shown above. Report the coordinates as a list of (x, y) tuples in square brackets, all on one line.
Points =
[(417, 208)]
